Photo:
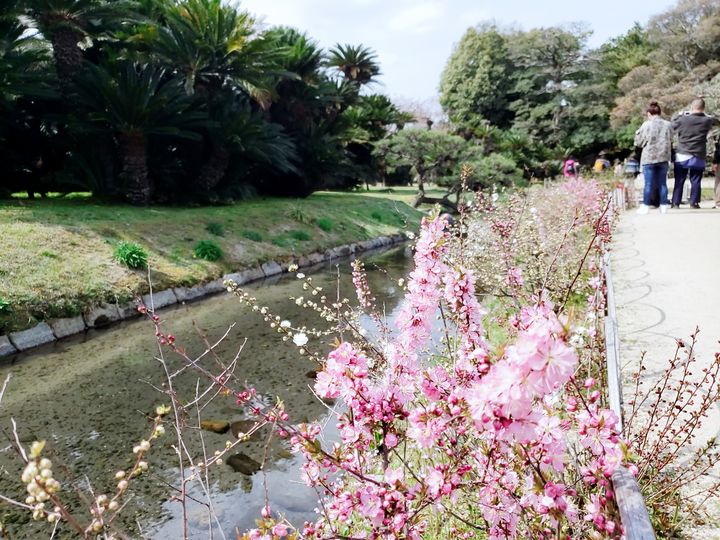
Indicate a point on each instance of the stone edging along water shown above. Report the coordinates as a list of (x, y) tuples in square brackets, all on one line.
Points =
[(106, 314)]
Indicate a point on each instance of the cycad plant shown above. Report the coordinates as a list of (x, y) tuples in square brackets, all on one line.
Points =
[(23, 61), (134, 101), (215, 49), (357, 63), (26, 90), (213, 45), (67, 23), (309, 107)]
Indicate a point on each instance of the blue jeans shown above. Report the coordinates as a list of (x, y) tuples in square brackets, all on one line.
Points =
[(696, 168), (655, 179)]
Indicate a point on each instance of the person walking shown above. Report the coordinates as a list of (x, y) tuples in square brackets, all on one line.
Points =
[(655, 138), (570, 168), (692, 129), (716, 170)]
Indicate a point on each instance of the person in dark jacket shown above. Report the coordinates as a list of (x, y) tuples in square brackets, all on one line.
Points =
[(691, 129), (716, 170)]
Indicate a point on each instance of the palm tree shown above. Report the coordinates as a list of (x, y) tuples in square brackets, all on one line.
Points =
[(300, 56), (357, 63), (369, 120), (26, 90), (212, 45), (23, 62), (65, 23), (309, 106), (215, 49), (375, 114), (133, 103)]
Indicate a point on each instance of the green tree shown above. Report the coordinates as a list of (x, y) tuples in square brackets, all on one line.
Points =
[(618, 56), (492, 170), (687, 35), (476, 83), (27, 94), (213, 45), (369, 120), (357, 63), (611, 63), (549, 62), (215, 49), (135, 102), (67, 23), (430, 154), (309, 106), (685, 41)]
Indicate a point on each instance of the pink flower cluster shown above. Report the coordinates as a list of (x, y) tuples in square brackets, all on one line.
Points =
[(362, 289), (588, 196), (442, 426)]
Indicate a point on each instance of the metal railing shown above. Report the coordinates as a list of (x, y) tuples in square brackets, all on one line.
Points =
[(633, 511)]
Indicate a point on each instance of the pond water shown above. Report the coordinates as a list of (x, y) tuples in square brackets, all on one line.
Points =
[(89, 396)]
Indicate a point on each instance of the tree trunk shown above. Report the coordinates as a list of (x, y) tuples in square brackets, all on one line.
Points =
[(445, 201), (420, 181), (68, 57), (214, 170), (134, 168)]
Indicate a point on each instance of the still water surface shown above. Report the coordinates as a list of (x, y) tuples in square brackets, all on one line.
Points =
[(89, 397)]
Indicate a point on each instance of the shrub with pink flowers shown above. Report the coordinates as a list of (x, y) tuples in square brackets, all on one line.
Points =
[(463, 435), (535, 240)]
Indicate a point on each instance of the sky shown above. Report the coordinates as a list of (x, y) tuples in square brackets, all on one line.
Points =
[(414, 38)]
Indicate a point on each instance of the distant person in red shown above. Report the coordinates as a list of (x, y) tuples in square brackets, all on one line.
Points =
[(570, 168)]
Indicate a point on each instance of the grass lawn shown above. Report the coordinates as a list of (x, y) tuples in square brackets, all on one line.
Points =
[(56, 254), (404, 194)]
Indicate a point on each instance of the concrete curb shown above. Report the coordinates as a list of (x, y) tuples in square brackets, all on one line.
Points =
[(6, 348), (32, 337), (107, 314), (67, 327)]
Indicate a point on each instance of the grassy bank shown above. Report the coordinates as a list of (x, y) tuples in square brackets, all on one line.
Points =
[(56, 255)]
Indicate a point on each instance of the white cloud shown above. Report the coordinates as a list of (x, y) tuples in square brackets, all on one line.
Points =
[(416, 18), (365, 3), (280, 12)]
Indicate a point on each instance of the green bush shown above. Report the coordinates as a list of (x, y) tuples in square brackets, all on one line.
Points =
[(253, 235), (281, 241), (215, 228), (131, 255), (325, 224), (376, 216), (302, 236), (494, 169), (208, 250), (4, 306), (298, 214)]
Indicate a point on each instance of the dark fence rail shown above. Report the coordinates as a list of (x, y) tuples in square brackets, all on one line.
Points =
[(633, 511)]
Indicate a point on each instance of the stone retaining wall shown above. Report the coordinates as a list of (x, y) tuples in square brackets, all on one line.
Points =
[(106, 314)]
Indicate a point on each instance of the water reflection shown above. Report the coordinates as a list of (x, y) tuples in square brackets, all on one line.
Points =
[(90, 395)]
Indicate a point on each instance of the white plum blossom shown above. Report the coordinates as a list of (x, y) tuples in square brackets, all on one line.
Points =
[(300, 339)]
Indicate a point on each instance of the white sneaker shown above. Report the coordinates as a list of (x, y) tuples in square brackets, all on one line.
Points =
[(643, 209), (663, 208)]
